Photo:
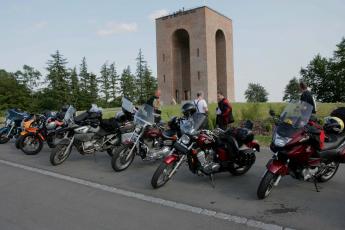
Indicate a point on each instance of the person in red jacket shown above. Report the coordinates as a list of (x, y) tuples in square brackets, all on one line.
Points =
[(224, 112)]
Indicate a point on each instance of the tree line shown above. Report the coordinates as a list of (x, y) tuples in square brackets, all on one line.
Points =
[(29, 90)]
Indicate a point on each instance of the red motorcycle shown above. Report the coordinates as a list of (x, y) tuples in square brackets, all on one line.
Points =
[(301, 150), (208, 152)]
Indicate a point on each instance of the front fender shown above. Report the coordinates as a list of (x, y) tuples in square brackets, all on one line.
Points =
[(171, 159), (64, 141), (4, 130), (277, 167)]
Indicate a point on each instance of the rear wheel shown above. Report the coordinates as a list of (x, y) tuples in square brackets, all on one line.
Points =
[(59, 154), (31, 144), (161, 175), (119, 161), (266, 185), (330, 171)]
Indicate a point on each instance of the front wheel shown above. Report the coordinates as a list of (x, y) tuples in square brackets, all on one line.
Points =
[(266, 185), (31, 144), (161, 175), (119, 161), (3, 138), (60, 153), (329, 172), (18, 142)]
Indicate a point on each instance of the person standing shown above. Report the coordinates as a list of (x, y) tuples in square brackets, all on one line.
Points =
[(154, 101), (201, 107), (306, 96), (224, 112)]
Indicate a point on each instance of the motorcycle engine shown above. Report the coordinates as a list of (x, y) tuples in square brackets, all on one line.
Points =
[(90, 146)]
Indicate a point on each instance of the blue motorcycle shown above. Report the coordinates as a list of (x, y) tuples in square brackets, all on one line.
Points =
[(13, 125)]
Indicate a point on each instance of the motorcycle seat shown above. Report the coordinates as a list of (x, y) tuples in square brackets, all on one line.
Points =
[(81, 117), (333, 142), (102, 132), (168, 134)]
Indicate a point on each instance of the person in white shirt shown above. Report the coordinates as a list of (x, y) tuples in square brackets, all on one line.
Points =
[(201, 106)]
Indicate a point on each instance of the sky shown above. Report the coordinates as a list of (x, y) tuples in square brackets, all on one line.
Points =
[(273, 39)]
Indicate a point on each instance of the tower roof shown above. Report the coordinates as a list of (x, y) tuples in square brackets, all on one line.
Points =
[(184, 12)]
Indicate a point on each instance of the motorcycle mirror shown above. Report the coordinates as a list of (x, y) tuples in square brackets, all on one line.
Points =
[(272, 113)]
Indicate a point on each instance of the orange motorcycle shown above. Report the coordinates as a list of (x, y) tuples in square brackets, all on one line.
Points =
[(35, 131)]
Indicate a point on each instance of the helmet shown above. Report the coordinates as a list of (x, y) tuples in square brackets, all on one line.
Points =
[(334, 124), (188, 109)]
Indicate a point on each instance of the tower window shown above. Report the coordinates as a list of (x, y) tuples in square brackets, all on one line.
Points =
[(164, 78), (199, 75), (197, 52)]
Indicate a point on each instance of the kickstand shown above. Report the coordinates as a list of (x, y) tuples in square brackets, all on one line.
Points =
[(212, 180), (315, 184)]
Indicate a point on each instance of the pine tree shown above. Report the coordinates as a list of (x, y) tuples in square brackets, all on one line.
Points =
[(93, 96), (57, 77), (74, 86), (127, 84), (105, 82), (114, 81), (149, 83), (140, 73)]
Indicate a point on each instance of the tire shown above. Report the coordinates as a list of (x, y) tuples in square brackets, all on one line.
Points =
[(329, 174), (118, 162), (163, 170), (31, 137), (266, 185), (57, 156), (18, 142), (238, 171), (3, 138)]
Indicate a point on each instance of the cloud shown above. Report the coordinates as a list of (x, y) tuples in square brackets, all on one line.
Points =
[(158, 13), (40, 25), (117, 28)]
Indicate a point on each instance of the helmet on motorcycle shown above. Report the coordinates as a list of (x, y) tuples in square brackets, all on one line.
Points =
[(188, 109), (334, 124)]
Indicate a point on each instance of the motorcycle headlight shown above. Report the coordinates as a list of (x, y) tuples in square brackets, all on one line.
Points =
[(281, 141), (185, 139)]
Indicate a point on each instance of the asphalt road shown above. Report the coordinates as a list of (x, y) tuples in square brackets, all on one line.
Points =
[(78, 195)]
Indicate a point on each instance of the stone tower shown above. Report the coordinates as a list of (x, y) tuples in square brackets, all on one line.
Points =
[(194, 53)]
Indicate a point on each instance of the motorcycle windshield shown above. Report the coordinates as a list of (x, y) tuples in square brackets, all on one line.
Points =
[(295, 116), (69, 115), (192, 124), (127, 105), (15, 115), (145, 115)]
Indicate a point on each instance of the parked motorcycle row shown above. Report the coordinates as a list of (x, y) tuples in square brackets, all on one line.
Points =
[(302, 148)]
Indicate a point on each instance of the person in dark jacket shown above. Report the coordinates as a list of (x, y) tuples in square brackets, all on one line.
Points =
[(224, 112), (306, 96)]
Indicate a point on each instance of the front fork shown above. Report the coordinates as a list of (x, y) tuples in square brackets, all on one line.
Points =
[(135, 144), (177, 166), (10, 131), (277, 168), (69, 145)]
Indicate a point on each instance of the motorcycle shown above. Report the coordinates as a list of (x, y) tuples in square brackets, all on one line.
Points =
[(300, 150), (208, 152), (13, 125), (149, 140), (35, 132), (89, 133)]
